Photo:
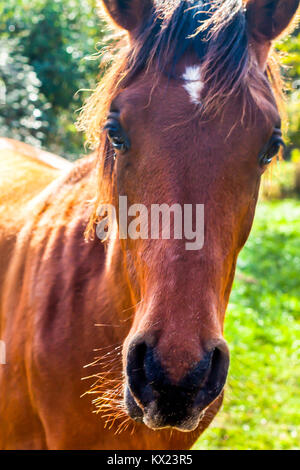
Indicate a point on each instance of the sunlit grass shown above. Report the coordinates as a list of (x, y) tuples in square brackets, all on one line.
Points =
[(262, 402)]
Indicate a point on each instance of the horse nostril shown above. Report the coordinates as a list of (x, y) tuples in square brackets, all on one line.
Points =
[(213, 381), (136, 374), (219, 368)]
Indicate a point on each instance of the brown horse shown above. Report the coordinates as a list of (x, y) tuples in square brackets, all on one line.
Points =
[(190, 118)]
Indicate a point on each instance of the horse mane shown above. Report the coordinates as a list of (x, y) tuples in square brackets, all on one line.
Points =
[(215, 32)]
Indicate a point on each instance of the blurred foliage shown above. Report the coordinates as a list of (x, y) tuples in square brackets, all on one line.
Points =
[(290, 50), (282, 179), (25, 107), (261, 405), (52, 39), (49, 40)]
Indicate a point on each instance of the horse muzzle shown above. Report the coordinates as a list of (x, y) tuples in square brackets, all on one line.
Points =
[(151, 397)]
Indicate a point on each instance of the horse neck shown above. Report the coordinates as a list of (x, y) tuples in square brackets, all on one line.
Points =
[(116, 290), (99, 269)]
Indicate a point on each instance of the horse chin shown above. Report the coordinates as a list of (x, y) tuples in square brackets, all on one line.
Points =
[(156, 423), (153, 420)]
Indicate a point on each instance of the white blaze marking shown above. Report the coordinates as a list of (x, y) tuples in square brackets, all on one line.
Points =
[(194, 84)]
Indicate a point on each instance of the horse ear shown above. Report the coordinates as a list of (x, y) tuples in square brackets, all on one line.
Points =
[(267, 19), (128, 14)]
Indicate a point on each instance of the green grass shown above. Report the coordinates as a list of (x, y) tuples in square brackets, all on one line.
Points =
[(262, 398)]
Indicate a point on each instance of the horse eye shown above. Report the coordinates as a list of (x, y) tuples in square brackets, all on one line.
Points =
[(116, 134), (272, 148)]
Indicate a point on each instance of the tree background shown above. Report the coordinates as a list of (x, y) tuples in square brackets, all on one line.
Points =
[(47, 54)]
